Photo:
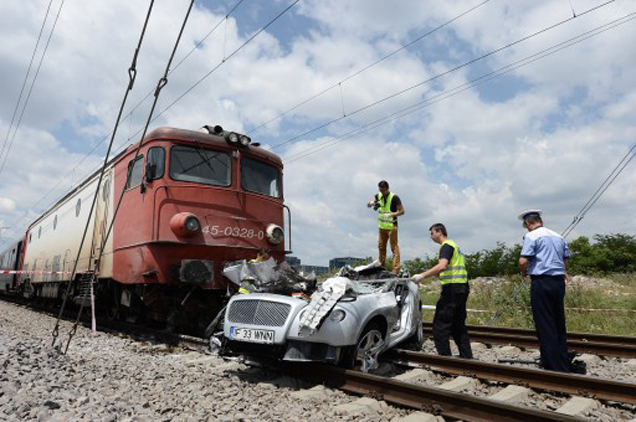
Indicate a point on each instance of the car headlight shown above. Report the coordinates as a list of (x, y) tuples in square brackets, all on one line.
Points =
[(337, 315), (275, 234), (185, 224)]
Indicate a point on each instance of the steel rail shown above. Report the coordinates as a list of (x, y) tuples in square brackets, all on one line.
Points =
[(593, 337), (434, 400), (528, 338), (599, 388)]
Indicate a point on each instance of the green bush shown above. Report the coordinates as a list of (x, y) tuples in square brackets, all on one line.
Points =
[(609, 254)]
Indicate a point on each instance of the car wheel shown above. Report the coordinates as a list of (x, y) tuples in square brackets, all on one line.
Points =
[(368, 348)]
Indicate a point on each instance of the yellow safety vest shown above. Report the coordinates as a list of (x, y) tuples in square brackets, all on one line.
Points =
[(455, 272), (385, 223)]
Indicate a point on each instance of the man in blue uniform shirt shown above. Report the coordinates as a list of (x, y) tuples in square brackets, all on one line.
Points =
[(544, 256)]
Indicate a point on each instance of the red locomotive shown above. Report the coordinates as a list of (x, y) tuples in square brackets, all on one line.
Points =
[(193, 201)]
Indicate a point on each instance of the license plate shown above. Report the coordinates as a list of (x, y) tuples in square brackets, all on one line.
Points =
[(252, 335)]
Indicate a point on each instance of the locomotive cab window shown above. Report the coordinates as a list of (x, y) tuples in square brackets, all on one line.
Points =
[(200, 166), (155, 163), (135, 172), (260, 178)]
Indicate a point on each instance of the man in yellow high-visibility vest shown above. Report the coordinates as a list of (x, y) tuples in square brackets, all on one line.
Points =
[(389, 208), (450, 311)]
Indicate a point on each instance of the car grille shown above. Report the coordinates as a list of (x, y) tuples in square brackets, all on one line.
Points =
[(259, 312)]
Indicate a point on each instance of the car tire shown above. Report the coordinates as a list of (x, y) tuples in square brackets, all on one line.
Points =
[(364, 354)]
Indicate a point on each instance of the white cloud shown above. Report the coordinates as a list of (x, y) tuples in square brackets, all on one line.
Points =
[(7, 204), (545, 137)]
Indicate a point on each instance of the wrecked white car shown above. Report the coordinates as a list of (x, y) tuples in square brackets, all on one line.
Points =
[(350, 320)]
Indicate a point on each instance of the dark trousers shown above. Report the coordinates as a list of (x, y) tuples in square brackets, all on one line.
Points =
[(450, 320), (546, 296)]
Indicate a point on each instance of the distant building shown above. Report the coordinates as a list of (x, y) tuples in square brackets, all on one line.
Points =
[(293, 261), (336, 263), (316, 269)]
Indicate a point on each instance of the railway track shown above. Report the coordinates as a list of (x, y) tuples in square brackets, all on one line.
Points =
[(599, 344), (433, 400), (422, 397), (599, 388), (458, 405), (579, 385)]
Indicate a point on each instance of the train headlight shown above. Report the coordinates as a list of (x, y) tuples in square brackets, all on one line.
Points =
[(245, 140), (192, 224), (233, 138), (275, 234), (185, 224)]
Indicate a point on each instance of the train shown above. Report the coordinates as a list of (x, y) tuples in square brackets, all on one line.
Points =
[(193, 201)]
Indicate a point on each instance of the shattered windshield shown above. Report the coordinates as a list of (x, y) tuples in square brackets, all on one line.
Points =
[(200, 166), (260, 178)]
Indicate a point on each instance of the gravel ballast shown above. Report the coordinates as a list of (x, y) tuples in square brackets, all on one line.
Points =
[(108, 377), (112, 377)]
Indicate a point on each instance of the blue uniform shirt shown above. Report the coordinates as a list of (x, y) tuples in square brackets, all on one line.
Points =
[(546, 251)]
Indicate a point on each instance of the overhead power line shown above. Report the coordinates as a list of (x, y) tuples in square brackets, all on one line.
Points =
[(35, 77), (439, 75), (601, 190), (183, 59), (463, 87), (53, 188), (365, 68), (26, 78), (160, 84), (264, 27), (256, 34), (132, 75)]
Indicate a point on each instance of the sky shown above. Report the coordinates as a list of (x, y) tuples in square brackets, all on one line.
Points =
[(472, 110)]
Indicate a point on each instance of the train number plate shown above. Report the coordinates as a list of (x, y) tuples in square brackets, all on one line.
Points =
[(252, 335), (229, 231)]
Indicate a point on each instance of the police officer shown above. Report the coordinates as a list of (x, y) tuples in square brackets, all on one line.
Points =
[(450, 311), (389, 208), (544, 256)]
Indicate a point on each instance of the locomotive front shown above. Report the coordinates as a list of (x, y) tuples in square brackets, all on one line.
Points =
[(194, 201)]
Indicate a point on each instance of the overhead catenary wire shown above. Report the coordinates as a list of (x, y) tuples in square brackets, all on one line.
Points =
[(160, 84), (233, 53), (577, 219), (35, 77), (223, 61), (261, 30), (132, 74), (627, 158), (369, 66), (439, 75), (54, 187), (463, 87), (269, 23), (482, 79), (183, 59), (215, 68), (26, 78)]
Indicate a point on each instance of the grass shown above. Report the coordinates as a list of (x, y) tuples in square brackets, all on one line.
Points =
[(614, 295)]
